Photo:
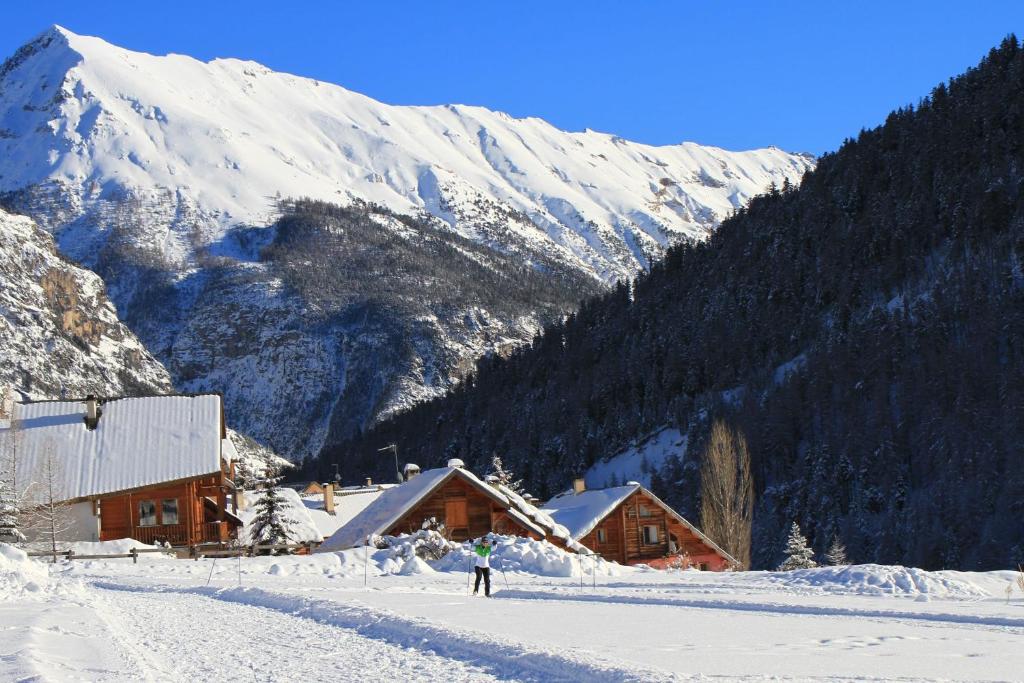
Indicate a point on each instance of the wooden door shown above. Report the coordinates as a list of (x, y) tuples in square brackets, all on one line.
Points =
[(456, 519)]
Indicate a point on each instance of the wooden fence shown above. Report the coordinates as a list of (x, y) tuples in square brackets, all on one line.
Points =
[(193, 552)]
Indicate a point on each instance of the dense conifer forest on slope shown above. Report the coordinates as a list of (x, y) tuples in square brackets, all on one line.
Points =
[(865, 332)]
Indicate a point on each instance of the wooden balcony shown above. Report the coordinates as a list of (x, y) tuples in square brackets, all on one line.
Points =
[(177, 534)]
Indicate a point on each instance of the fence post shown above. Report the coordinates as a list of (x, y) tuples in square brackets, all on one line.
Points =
[(135, 555), (71, 555)]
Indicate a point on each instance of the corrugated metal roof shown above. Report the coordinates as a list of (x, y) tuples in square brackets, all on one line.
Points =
[(137, 442)]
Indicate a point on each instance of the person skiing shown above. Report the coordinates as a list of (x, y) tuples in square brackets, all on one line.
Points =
[(483, 565)]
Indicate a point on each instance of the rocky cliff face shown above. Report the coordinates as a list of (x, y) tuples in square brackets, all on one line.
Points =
[(59, 334)]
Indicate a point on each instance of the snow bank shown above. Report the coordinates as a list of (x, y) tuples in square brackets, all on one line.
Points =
[(875, 579), (526, 556), (19, 574)]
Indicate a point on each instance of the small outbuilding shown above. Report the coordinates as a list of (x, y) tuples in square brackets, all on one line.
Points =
[(630, 525)]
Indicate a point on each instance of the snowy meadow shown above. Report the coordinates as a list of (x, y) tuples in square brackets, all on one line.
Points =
[(388, 614)]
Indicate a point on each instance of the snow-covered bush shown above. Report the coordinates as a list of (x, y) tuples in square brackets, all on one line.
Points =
[(798, 554), (426, 544)]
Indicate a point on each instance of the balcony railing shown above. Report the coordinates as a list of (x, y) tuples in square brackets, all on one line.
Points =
[(177, 534)]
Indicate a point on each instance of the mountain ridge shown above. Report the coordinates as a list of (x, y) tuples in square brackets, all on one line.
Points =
[(166, 175)]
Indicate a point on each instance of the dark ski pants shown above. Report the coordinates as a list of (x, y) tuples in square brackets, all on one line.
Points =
[(485, 573)]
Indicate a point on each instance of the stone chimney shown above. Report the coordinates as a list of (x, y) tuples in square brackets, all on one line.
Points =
[(92, 412), (410, 470), (579, 485), (369, 481), (329, 499)]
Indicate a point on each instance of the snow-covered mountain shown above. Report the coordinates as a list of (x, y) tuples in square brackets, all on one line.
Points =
[(165, 176), (58, 332), (217, 141)]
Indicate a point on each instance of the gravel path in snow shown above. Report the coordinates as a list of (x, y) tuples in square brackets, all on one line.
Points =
[(175, 636)]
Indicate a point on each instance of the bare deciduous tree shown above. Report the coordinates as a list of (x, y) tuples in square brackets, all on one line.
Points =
[(727, 492), (10, 498), (49, 516)]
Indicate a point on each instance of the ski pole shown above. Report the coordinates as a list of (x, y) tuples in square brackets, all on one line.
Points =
[(501, 565), (469, 575)]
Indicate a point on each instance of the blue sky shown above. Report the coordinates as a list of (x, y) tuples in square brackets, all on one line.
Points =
[(799, 75)]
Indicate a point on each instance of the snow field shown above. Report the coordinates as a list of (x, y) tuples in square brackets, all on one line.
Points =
[(298, 616)]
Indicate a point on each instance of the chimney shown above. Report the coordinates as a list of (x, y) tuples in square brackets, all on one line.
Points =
[(329, 499), (92, 412), (410, 470), (455, 463), (369, 481), (579, 485), (492, 480)]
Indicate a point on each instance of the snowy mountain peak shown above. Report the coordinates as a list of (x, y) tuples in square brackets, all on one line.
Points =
[(221, 139)]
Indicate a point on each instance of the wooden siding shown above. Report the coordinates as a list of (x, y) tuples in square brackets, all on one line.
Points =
[(624, 542), (465, 511), (196, 523)]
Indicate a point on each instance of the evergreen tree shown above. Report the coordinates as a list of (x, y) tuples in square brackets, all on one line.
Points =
[(9, 512), (504, 477), (272, 524), (798, 554), (836, 554)]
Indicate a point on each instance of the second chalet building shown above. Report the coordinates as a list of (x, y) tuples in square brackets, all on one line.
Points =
[(153, 468), (453, 496), (630, 525)]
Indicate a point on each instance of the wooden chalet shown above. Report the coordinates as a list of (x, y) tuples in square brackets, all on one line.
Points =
[(153, 468), (630, 525), (453, 496)]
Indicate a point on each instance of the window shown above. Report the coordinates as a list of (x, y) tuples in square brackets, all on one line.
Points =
[(650, 534), (602, 537), (644, 512), (703, 566), (169, 511), (147, 513)]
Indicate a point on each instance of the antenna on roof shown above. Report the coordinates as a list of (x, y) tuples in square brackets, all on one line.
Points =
[(394, 449)]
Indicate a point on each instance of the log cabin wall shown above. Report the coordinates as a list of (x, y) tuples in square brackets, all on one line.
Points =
[(620, 536), (466, 512), (120, 515)]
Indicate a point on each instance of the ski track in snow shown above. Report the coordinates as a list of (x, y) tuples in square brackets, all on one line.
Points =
[(482, 657), (158, 633), (945, 619)]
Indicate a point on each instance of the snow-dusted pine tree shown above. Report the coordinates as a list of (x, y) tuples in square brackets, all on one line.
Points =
[(505, 478), (272, 524), (798, 554), (836, 554), (9, 512)]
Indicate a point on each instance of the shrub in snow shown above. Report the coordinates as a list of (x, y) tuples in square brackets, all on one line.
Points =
[(425, 544), (798, 554), (836, 554)]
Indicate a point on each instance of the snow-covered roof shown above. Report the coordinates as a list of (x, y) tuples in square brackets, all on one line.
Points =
[(541, 518), (137, 442), (380, 515), (581, 512)]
